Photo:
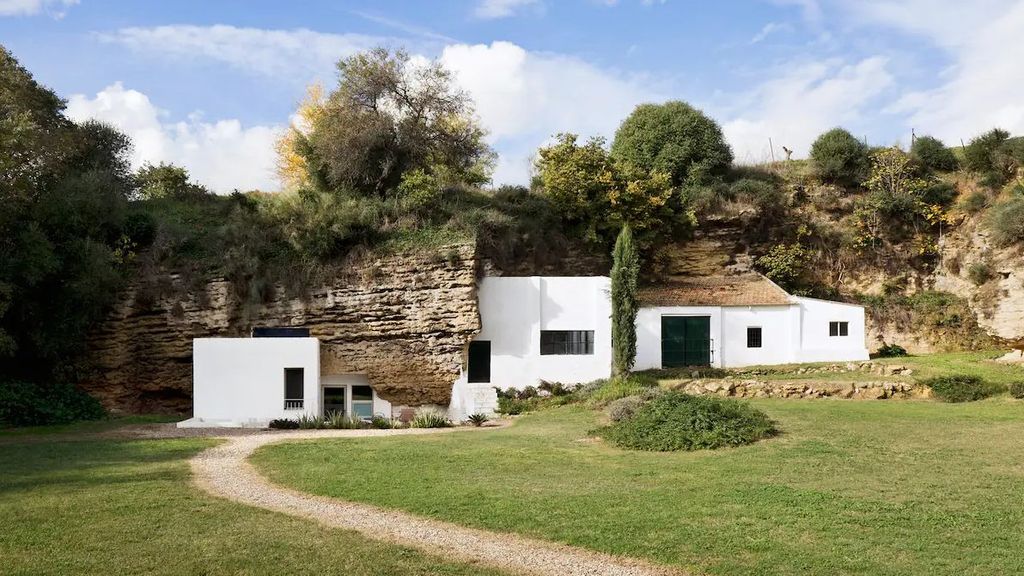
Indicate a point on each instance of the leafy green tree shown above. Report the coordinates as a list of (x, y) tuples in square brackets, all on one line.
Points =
[(625, 275), (933, 155), (166, 181), (996, 156), (64, 192), (673, 138), (840, 158), (785, 265), (387, 116), (895, 189), (589, 190)]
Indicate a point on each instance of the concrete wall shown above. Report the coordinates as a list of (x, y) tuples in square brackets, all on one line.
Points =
[(513, 311), (778, 337), (240, 381), (648, 333)]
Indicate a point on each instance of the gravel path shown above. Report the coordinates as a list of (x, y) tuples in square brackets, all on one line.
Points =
[(225, 471)]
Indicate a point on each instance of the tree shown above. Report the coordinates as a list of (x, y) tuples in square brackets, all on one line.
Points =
[(591, 191), (672, 138), (933, 155), (387, 116), (840, 158), (895, 189), (625, 275), (166, 181)]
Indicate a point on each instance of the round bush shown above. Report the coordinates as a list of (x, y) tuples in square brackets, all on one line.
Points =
[(1007, 222), (961, 388), (678, 421), (623, 408), (1017, 390), (933, 155), (839, 157), (674, 138)]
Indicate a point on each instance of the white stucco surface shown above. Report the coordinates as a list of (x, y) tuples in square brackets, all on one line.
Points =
[(795, 333), (240, 381), (381, 407), (513, 311)]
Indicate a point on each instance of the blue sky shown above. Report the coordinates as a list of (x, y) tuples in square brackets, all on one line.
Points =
[(210, 85)]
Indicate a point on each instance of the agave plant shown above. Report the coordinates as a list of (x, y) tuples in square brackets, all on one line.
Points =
[(430, 419), (477, 419)]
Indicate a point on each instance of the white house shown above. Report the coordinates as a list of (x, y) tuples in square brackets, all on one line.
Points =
[(535, 329)]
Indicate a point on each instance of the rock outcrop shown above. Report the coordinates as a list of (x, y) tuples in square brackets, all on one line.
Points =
[(404, 322)]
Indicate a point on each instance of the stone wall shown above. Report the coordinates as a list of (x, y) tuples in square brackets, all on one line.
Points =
[(750, 388), (404, 322)]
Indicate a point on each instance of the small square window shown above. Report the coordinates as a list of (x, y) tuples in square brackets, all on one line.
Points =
[(838, 328), (753, 337)]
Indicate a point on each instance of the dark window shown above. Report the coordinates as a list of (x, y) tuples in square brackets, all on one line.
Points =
[(480, 361), (274, 332), (566, 342), (838, 328), (294, 380), (362, 402), (753, 337)]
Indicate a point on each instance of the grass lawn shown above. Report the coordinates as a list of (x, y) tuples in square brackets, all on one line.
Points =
[(851, 487), (118, 507), (87, 427)]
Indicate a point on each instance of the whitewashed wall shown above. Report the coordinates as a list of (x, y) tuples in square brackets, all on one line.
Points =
[(513, 311), (795, 333), (240, 381), (380, 405), (815, 343), (648, 333)]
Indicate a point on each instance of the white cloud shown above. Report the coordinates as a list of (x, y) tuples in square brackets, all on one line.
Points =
[(524, 98), (493, 9), (223, 154), (55, 8), (298, 54), (800, 103), (769, 29), (981, 88)]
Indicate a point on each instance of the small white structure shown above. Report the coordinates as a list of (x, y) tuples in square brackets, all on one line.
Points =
[(735, 321), (534, 329)]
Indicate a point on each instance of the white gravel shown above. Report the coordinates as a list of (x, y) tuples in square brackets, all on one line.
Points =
[(225, 471)]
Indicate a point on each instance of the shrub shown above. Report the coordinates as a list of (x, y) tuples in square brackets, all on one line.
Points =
[(980, 272), (1006, 220), (678, 421), (283, 424), (477, 419), (961, 388), (975, 202), (1017, 390), (839, 157), (430, 419), (619, 387), (891, 351), (515, 406), (381, 423), (623, 408), (28, 404), (555, 388), (933, 155), (941, 193), (981, 153), (339, 421)]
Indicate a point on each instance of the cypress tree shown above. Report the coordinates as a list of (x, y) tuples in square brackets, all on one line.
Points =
[(625, 271)]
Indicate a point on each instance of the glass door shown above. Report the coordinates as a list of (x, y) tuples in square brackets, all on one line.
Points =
[(334, 400)]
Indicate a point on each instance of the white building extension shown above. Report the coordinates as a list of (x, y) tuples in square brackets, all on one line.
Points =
[(534, 329)]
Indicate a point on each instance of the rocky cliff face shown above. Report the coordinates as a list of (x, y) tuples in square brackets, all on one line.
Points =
[(403, 322)]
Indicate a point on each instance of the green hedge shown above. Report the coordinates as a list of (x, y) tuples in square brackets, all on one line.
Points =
[(962, 388)]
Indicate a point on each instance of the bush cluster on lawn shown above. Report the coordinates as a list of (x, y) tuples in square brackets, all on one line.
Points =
[(283, 424), (338, 421), (603, 392), (677, 421), (513, 401), (26, 404), (1017, 390), (478, 419), (962, 388)]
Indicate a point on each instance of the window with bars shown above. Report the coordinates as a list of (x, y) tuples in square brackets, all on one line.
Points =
[(753, 337), (294, 392), (838, 328), (566, 342)]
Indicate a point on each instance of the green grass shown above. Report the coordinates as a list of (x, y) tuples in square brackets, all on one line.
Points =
[(105, 507), (87, 427), (850, 487)]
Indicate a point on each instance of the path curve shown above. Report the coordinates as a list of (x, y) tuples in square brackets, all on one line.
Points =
[(225, 471)]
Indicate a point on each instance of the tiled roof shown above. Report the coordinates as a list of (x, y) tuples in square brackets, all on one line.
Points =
[(738, 290)]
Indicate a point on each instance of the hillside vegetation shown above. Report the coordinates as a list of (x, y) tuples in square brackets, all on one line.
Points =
[(393, 159)]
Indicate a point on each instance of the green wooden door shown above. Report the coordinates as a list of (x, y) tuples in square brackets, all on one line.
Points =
[(685, 341)]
